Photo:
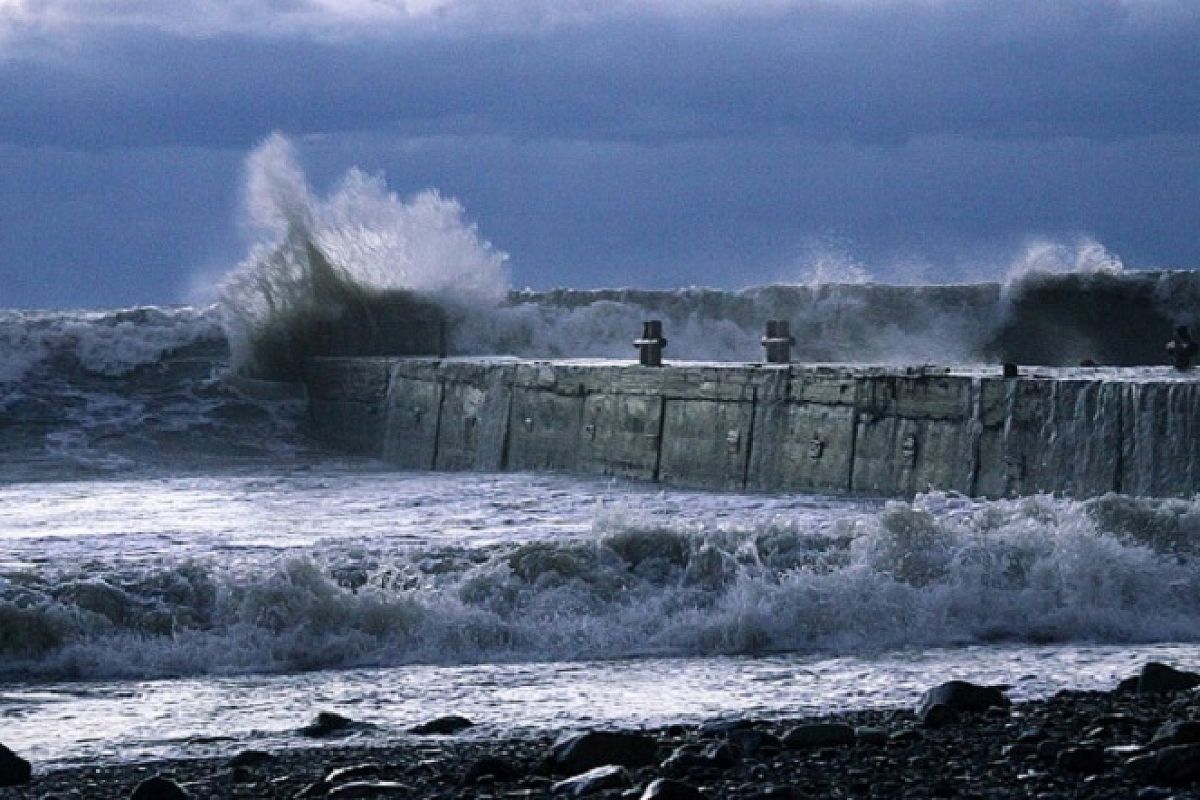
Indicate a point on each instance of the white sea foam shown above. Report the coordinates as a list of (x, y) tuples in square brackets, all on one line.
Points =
[(1081, 255), (111, 343), (938, 571)]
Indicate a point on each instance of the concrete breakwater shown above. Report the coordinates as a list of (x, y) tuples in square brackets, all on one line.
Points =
[(833, 429)]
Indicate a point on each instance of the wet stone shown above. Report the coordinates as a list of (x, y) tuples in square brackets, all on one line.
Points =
[(1153, 793), (939, 716), (443, 726), (870, 735), (1156, 678), (963, 697), (1124, 752), (724, 727), (490, 766), (327, 723), (667, 789), (1177, 732), (599, 779), (683, 760), (366, 790), (585, 751), (1019, 751), (251, 758), (1177, 765), (356, 772), (314, 789), (1139, 767), (819, 734), (1049, 750), (720, 755), (159, 788), (241, 775), (1032, 736), (1084, 760), (14, 770)]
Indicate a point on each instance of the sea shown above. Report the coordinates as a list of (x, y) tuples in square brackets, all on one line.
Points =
[(183, 572)]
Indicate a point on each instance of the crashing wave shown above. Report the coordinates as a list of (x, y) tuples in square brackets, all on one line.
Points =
[(334, 261), (940, 570)]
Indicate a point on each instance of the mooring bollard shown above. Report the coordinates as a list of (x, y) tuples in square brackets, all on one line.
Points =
[(779, 341), (651, 345), (1182, 348)]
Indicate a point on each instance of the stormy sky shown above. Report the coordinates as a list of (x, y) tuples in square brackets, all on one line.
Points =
[(600, 142)]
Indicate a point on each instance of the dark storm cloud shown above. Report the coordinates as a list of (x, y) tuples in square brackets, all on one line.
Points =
[(649, 143), (860, 72)]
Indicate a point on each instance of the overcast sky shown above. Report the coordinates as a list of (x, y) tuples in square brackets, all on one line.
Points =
[(655, 143)]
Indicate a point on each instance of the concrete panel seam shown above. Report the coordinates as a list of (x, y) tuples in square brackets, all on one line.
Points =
[(750, 437), (506, 439), (437, 423)]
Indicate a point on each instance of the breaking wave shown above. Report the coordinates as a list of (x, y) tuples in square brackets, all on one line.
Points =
[(104, 391), (318, 259), (941, 570), (335, 262)]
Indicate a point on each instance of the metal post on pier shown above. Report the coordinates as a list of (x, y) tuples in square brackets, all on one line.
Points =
[(651, 345), (779, 341)]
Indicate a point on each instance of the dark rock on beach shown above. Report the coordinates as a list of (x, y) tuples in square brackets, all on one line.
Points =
[(751, 742), (1156, 678), (1177, 766), (498, 769), (594, 781), (1177, 732), (159, 788), (938, 715), (1084, 760), (14, 770), (1110, 745), (352, 773), (444, 726), (683, 760), (724, 727), (251, 758), (368, 790), (327, 723), (819, 734), (585, 751), (667, 789), (962, 696)]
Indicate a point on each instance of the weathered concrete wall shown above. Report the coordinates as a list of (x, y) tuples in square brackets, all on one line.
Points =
[(708, 425), (347, 400), (1160, 439), (804, 431), (474, 418), (913, 433), (835, 429), (1049, 436)]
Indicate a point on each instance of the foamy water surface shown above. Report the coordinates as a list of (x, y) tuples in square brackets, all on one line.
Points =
[(175, 615)]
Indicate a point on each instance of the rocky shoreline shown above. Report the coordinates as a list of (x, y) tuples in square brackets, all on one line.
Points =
[(1140, 740)]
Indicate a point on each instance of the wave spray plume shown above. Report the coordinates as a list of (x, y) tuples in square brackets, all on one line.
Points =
[(317, 260)]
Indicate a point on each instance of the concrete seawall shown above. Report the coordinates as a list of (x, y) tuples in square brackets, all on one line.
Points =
[(829, 429)]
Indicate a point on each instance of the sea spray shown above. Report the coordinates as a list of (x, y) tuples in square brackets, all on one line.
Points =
[(321, 259), (317, 260), (941, 570)]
